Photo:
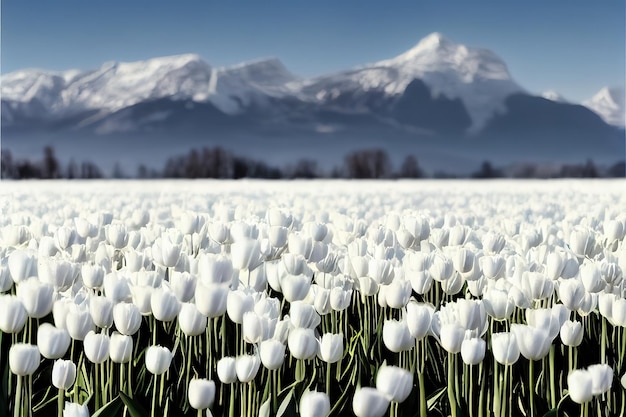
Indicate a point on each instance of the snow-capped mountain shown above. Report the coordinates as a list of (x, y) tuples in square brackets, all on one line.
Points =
[(478, 77), (117, 85), (554, 96), (442, 100), (609, 104)]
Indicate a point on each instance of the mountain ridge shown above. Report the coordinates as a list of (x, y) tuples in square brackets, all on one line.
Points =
[(436, 94)]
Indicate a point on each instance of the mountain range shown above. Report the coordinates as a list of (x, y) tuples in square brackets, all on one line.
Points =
[(451, 105)]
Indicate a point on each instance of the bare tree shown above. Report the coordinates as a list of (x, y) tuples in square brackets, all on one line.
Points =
[(410, 168)]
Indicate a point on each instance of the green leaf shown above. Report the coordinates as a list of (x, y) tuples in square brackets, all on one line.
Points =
[(265, 409), (110, 409), (288, 407), (434, 398), (552, 413), (134, 408)]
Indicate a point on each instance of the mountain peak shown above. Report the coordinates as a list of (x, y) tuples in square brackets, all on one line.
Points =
[(554, 96), (477, 76), (434, 40), (433, 43), (609, 104)]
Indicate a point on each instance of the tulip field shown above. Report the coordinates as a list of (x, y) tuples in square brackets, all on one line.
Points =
[(313, 298)]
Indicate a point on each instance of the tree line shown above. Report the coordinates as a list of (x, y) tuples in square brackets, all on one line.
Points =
[(216, 162)]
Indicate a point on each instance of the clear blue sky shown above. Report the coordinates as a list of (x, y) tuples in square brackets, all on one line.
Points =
[(572, 46)]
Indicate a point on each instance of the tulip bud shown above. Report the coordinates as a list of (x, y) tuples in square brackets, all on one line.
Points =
[(396, 336), (571, 293), (12, 314), (498, 304), (78, 321), (369, 402), (59, 274), (237, 304), (22, 265), (116, 235), (441, 268), (52, 342), (272, 353), (120, 348), (183, 285), (246, 254), (493, 243), (93, 276), (201, 393), (331, 347), (36, 297), (314, 404), (601, 377), (158, 359), (534, 343), (127, 318), (303, 315), (63, 374), (211, 299), (96, 347), (419, 318), (295, 288), (191, 321), (396, 383), (294, 264), (165, 252), (613, 230), (340, 299), (582, 242), (571, 333), (15, 235), (302, 343), (101, 310), (591, 277), (116, 287), (226, 371), (23, 359), (64, 237), (246, 367), (504, 348), (398, 293), (473, 350), (219, 232), (451, 337), (579, 386), (5, 278), (164, 304), (279, 217), (75, 410)]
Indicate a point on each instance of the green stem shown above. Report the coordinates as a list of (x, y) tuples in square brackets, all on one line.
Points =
[(423, 405), (471, 391), (497, 390), (531, 386), (154, 384), (231, 405), (60, 402), (17, 408), (552, 382), (420, 378), (328, 378), (483, 390), (451, 394), (603, 342), (94, 387)]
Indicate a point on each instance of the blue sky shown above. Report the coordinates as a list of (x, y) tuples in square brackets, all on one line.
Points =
[(572, 46)]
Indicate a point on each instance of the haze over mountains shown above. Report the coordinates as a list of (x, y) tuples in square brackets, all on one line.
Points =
[(451, 105)]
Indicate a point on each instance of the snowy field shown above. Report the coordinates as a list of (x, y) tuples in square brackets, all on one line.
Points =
[(366, 298)]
